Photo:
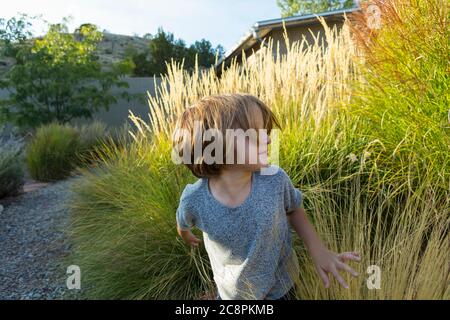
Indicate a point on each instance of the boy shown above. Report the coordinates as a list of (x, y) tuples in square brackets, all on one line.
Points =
[(244, 206)]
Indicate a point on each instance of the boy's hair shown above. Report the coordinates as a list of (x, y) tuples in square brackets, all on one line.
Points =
[(221, 112)]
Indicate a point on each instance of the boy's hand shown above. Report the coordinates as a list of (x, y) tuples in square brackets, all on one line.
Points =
[(188, 237), (330, 262), (324, 260)]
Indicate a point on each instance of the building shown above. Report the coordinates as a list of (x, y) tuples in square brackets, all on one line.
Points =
[(297, 28)]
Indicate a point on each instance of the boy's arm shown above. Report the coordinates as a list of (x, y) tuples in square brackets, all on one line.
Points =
[(188, 237), (324, 260), (185, 220)]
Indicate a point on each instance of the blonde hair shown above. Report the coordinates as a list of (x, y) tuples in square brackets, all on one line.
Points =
[(221, 112)]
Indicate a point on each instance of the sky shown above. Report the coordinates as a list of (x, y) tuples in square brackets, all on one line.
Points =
[(219, 21)]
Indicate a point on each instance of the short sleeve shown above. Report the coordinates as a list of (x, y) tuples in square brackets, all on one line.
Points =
[(293, 197), (185, 215)]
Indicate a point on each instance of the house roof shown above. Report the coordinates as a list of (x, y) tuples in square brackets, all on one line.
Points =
[(261, 28)]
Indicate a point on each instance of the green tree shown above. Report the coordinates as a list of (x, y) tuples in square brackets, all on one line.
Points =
[(14, 33), (163, 47), (301, 7), (58, 78), (140, 61), (205, 52)]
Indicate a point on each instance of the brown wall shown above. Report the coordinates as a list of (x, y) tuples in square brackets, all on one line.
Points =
[(294, 34), (299, 33)]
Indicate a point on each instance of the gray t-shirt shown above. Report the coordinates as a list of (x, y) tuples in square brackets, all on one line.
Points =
[(249, 246)]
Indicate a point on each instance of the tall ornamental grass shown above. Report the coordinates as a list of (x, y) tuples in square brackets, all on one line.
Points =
[(51, 153), (125, 242), (55, 150), (404, 99), (357, 192), (11, 167)]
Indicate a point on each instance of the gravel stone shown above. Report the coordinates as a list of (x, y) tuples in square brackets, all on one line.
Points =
[(33, 244)]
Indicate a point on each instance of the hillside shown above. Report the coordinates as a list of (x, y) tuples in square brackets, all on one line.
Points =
[(111, 49), (113, 46)]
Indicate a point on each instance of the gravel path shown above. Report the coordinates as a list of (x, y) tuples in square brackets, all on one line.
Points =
[(33, 244)]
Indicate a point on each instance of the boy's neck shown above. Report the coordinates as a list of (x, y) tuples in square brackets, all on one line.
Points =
[(232, 179)]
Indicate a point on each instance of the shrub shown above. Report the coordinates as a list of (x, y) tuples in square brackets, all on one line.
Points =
[(57, 77), (410, 249), (11, 170), (69, 147), (92, 137), (92, 134), (127, 245), (51, 154), (96, 136), (404, 99)]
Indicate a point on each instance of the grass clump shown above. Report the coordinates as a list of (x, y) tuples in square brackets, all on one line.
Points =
[(11, 171), (124, 239), (52, 152), (405, 96), (55, 150)]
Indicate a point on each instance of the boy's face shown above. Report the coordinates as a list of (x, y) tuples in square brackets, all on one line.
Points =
[(251, 150)]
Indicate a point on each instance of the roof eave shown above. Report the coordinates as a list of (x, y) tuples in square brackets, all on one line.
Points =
[(276, 23)]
